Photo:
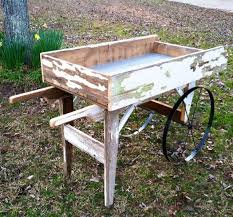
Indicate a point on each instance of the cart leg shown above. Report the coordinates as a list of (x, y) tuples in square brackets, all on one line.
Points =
[(111, 140), (188, 102), (66, 106)]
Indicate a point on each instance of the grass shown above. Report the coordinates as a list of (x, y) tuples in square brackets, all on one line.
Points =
[(45, 40), (13, 53), (20, 77), (31, 173)]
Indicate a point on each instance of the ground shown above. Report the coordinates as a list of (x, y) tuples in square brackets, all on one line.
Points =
[(31, 173)]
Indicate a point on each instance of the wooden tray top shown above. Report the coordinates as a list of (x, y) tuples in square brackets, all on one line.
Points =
[(117, 74)]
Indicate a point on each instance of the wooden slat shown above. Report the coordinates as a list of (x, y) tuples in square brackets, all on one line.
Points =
[(162, 108), (106, 52), (48, 92), (84, 142), (173, 49), (92, 111)]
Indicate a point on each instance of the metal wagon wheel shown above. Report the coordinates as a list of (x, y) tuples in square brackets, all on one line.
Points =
[(182, 141)]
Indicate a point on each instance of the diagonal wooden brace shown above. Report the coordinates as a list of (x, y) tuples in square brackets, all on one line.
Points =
[(84, 142)]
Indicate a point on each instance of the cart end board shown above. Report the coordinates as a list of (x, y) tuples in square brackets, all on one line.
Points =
[(88, 71), (146, 83)]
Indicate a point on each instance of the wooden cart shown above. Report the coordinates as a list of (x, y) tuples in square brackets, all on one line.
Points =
[(118, 75)]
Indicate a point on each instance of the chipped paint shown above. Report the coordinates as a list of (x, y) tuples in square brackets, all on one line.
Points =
[(92, 73), (122, 103), (47, 63), (74, 67), (157, 75), (64, 65), (213, 54), (180, 71), (73, 85), (55, 82), (167, 73), (142, 83), (70, 80)]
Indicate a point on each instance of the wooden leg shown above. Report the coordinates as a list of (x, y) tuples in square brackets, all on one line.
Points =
[(111, 140), (66, 106)]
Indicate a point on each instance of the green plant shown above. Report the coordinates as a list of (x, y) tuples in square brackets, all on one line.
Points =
[(45, 41), (12, 53), (1, 35)]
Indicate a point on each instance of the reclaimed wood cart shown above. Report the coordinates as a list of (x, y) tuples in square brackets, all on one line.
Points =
[(121, 75)]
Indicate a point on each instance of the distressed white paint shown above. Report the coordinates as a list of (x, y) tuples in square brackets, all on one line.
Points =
[(64, 65), (92, 73), (84, 142), (163, 75), (122, 103), (71, 78), (133, 82), (220, 62), (166, 76), (213, 54), (73, 85), (55, 82), (47, 63)]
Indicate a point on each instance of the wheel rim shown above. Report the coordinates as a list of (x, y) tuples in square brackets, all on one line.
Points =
[(182, 141)]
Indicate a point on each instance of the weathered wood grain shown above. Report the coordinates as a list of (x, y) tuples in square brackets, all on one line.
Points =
[(48, 92), (66, 106), (84, 142), (106, 52), (75, 79), (111, 142), (173, 50), (92, 111), (138, 85)]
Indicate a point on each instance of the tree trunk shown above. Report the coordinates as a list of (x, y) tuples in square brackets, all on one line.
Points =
[(16, 22)]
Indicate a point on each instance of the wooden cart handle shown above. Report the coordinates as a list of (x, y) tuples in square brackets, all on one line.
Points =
[(93, 112), (48, 92)]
